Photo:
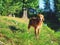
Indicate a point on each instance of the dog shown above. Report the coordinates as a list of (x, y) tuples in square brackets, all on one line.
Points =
[(36, 22)]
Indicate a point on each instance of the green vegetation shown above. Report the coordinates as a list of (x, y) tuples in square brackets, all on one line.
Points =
[(15, 6), (14, 32)]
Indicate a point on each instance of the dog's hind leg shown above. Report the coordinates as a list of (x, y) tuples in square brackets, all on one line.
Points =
[(28, 27), (38, 31)]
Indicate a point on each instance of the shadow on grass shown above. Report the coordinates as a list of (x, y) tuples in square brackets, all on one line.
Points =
[(14, 29)]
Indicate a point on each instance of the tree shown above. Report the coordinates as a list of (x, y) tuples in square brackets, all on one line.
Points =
[(29, 4), (58, 9), (50, 13), (1, 7), (10, 6), (15, 6)]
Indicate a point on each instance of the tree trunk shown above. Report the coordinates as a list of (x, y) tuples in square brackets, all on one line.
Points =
[(25, 13)]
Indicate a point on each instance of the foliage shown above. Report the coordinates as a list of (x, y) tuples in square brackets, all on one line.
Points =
[(10, 7), (58, 5), (58, 9), (15, 6)]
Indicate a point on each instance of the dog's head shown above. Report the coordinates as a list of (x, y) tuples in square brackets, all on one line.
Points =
[(41, 17)]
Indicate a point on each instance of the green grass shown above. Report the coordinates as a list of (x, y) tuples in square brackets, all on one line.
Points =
[(13, 31)]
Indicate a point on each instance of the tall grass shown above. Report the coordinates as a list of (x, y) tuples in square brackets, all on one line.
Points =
[(13, 32)]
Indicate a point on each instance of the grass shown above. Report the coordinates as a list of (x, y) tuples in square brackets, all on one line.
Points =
[(13, 31)]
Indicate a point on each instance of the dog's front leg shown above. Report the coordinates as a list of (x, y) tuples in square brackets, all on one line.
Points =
[(37, 33)]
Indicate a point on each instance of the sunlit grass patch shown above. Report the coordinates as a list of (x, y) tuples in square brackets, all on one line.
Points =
[(14, 30)]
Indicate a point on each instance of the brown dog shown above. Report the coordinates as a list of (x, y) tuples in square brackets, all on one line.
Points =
[(36, 22)]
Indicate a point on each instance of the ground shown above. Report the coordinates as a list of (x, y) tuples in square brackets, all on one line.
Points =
[(13, 31)]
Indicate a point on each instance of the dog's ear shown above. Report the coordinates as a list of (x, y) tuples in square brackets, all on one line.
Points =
[(43, 18)]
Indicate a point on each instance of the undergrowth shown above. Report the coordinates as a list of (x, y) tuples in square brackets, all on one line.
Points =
[(13, 32)]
